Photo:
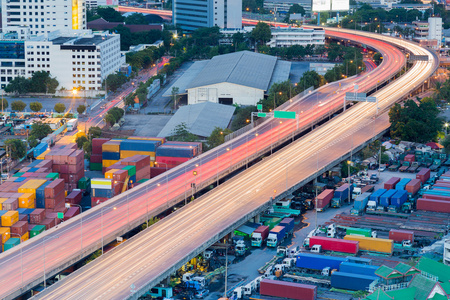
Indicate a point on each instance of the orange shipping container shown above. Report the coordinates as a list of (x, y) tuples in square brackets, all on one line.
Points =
[(4, 234), (1, 202), (26, 200), (25, 237), (10, 218)]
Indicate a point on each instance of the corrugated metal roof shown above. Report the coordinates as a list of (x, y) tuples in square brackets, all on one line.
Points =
[(281, 72), (423, 286), (435, 268), (244, 68), (187, 77), (200, 119)]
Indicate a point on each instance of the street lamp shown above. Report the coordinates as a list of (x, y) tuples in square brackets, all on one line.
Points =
[(21, 253), (446, 128), (114, 208)]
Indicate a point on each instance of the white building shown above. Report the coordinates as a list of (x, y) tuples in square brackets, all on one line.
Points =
[(446, 258), (283, 6), (435, 30), (286, 37), (76, 59), (101, 3), (44, 16), (193, 14)]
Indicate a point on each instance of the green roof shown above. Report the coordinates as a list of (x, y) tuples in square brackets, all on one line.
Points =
[(403, 268), (446, 287), (402, 294), (438, 296), (423, 286), (379, 295), (435, 268), (387, 273)]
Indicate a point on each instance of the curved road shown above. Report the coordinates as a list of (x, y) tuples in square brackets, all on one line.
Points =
[(177, 237)]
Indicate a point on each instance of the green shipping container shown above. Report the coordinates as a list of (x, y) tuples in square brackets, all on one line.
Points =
[(272, 222), (143, 180), (53, 176), (84, 183), (359, 231), (36, 230), (95, 166), (18, 174), (12, 242), (131, 170)]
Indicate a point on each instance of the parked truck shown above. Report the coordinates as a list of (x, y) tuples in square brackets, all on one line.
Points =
[(385, 200), (349, 281), (330, 244), (391, 183), (259, 235), (397, 201), (360, 231), (355, 268), (276, 235), (413, 187), (374, 199), (341, 195), (288, 223), (360, 204), (290, 290), (372, 244), (315, 263), (405, 166), (423, 175), (361, 190), (323, 200)]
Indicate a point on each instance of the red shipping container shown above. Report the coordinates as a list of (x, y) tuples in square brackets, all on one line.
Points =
[(433, 205), (51, 203), (413, 186), (155, 171), (56, 167), (118, 188), (20, 228), (76, 157), (48, 223), (391, 183), (140, 161), (143, 173), (24, 169), (60, 208), (423, 175), (64, 169), (96, 158), (401, 235), (45, 163), (97, 145), (72, 146), (54, 188), (74, 197), (410, 158), (23, 218), (290, 290), (73, 169), (71, 212), (442, 183), (338, 245), (11, 204), (120, 175), (98, 200), (30, 226), (174, 161), (37, 216), (324, 198), (115, 166)]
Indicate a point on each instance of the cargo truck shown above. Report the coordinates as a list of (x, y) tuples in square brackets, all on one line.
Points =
[(361, 190), (397, 201), (341, 195), (349, 281), (288, 223), (398, 235), (372, 244), (385, 199), (276, 235), (355, 268), (391, 183), (405, 166), (413, 187), (402, 184), (290, 290), (316, 263), (374, 199), (414, 167), (361, 232), (259, 235), (423, 175), (360, 204), (323, 200), (330, 244)]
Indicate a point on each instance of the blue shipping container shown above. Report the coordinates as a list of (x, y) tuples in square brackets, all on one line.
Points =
[(132, 179), (20, 179), (104, 193), (40, 194), (376, 195), (385, 199), (318, 262), (32, 170), (342, 192), (348, 281), (355, 268), (399, 198), (359, 260), (288, 223), (175, 151), (39, 149), (21, 210), (111, 155), (139, 145), (2, 212), (36, 162), (402, 184)]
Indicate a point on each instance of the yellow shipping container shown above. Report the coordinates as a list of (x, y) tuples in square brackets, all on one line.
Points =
[(65, 193), (143, 138), (10, 218), (42, 156), (27, 200), (32, 204), (31, 185), (25, 237), (1, 202), (372, 244), (130, 153), (107, 163), (5, 233), (109, 174), (111, 146)]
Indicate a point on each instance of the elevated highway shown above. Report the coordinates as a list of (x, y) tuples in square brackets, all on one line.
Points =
[(155, 253)]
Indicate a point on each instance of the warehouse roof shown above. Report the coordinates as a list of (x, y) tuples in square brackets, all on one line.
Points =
[(387, 272), (185, 79), (379, 295), (423, 286), (406, 269), (441, 271), (200, 119)]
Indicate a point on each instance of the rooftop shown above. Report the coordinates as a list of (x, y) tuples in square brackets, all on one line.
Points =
[(435, 268), (423, 286)]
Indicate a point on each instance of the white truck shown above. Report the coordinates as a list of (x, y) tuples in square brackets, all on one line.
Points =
[(72, 124), (371, 206)]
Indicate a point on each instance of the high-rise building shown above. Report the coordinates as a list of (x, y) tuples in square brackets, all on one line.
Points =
[(193, 14), (44, 16), (76, 59), (435, 30)]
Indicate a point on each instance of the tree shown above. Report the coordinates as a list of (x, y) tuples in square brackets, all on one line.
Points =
[(35, 106), (16, 147), (32, 141), (217, 137), (243, 117), (87, 148), (42, 82), (377, 57), (19, 85), (136, 18), (109, 119), (60, 108), (297, 9), (110, 14), (18, 105), (117, 113), (182, 134), (3, 104), (40, 130), (81, 109), (94, 132), (114, 81), (80, 141), (310, 78), (261, 34)]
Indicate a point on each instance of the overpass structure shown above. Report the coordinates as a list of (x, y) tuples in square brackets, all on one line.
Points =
[(158, 251)]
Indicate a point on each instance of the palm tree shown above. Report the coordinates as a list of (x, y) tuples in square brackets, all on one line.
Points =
[(437, 95)]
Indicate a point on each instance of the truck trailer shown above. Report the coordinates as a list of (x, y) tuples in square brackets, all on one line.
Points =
[(372, 244), (337, 245), (349, 281), (317, 262), (289, 290), (323, 200), (276, 235), (360, 204), (259, 235), (341, 195)]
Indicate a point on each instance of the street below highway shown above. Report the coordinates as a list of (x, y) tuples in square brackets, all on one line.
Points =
[(154, 253)]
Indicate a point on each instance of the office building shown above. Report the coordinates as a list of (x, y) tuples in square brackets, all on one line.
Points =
[(44, 16), (286, 37), (282, 6), (435, 30), (193, 14), (76, 59)]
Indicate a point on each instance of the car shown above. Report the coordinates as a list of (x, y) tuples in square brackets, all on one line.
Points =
[(201, 294), (382, 168)]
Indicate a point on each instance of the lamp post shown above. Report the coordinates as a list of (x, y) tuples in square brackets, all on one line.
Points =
[(43, 243), (114, 208), (446, 128), (21, 254)]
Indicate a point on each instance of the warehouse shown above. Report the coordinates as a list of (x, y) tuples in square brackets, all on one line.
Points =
[(241, 78)]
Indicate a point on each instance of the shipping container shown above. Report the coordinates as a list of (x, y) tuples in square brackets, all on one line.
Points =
[(323, 199), (355, 268), (37, 229), (139, 145), (372, 244), (106, 162), (37, 216), (410, 158), (4, 234), (10, 218), (343, 192), (54, 188), (423, 175), (101, 183), (360, 204), (20, 228), (110, 155), (290, 290), (74, 197), (436, 197), (336, 245), (71, 212), (31, 186), (402, 184), (413, 186), (385, 199), (399, 198), (288, 223), (12, 242), (112, 146), (433, 205), (97, 145), (130, 153), (398, 235), (359, 231), (318, 262), (391, 183), (376, 195), (349, 281)]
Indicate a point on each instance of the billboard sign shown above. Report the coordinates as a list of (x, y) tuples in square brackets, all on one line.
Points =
[(340, 5), (321, 5)]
